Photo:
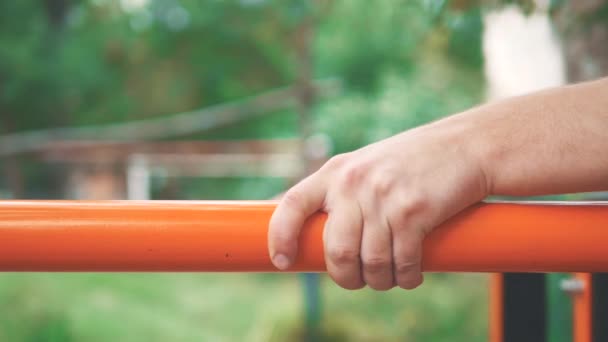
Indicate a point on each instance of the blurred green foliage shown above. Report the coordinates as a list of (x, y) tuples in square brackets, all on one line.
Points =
[(232, 307), (85, 62), (101, 63)]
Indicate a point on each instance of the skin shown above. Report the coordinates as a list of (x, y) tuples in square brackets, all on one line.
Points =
[(383, 199)]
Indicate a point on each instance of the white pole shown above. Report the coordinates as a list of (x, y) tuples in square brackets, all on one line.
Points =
[(138, 178)]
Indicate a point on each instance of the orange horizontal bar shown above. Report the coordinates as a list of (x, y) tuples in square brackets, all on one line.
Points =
[(231, 236)]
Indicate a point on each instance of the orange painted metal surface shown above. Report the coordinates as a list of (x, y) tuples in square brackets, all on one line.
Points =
[(582, 310), (496, 309), (231, 236)]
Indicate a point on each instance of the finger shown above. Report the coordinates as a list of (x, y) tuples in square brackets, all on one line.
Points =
[(343, 244), (376, 251), (407, 257), (298, 203)]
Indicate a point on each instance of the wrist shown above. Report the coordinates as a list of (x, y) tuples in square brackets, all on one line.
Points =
[(455, 144), (474, 147)]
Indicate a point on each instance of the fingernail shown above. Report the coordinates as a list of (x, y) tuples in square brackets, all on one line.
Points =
[(281, 261)]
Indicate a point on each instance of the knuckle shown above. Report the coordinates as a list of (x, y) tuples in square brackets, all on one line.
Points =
[(375, 265), (410, 206), (353, 175), (341, 255), (293, 199), (414, 203), (382, 185), (406, 266), (337, 161)]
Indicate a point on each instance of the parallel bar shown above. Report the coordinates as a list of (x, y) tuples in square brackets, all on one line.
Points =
[(232, 237), (582, 329), (496, 310)]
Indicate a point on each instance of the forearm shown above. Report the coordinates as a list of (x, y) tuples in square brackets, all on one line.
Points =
[(554, 141)]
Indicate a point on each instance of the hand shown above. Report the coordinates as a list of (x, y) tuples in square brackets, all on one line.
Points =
[(381, 201)]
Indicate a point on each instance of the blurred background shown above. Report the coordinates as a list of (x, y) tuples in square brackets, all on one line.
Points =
[(188, 99)]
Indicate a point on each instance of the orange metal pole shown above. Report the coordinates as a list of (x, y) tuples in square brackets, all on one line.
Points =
[(496, 309), (231, 236), (582, 310)]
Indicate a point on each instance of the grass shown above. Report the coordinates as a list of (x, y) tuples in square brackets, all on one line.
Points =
[(231, 307)]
